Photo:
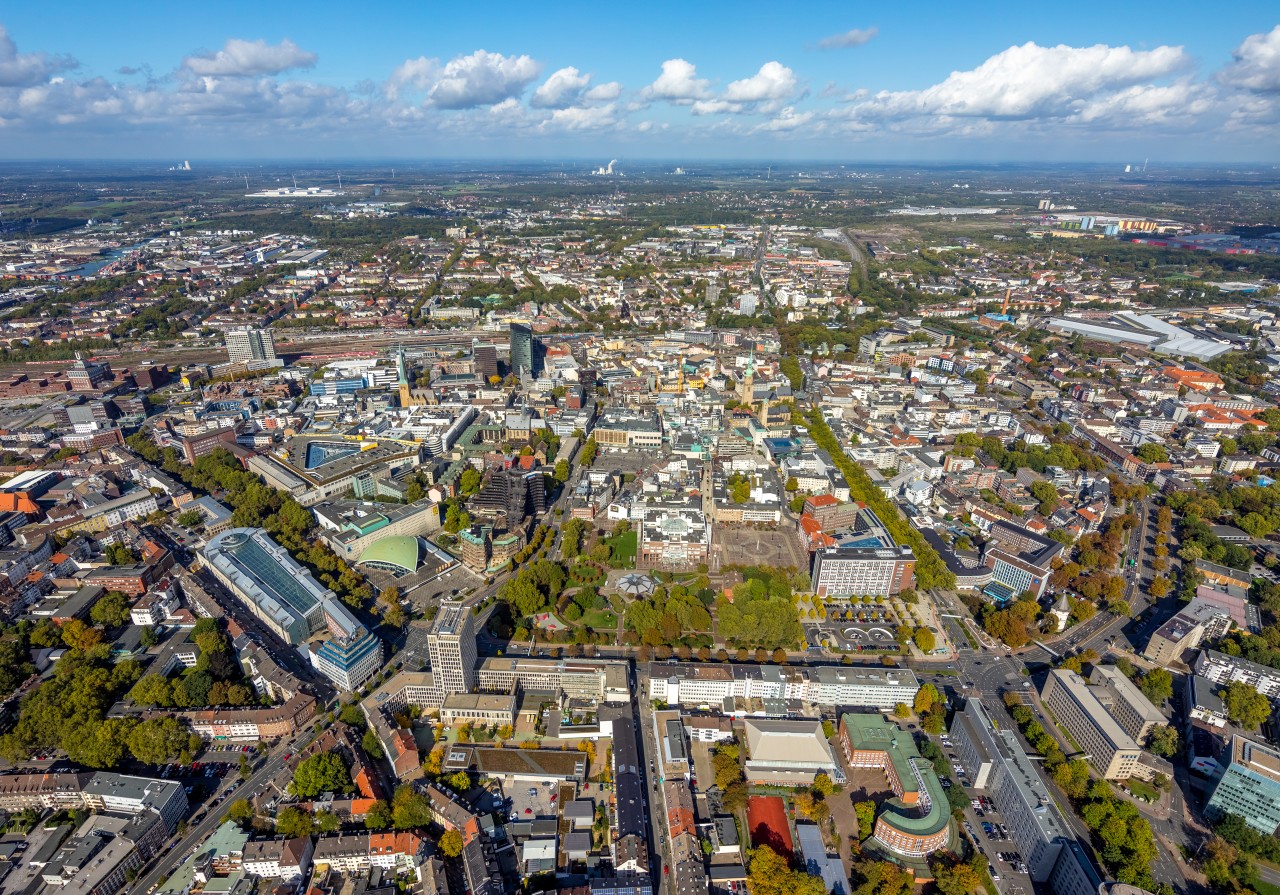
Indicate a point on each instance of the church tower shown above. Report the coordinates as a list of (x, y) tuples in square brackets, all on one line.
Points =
[(747, 391), (406, 395)]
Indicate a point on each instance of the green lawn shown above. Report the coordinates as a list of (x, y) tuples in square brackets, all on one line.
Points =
[(1265, 888), (1143, 790), (600, 620), (624, 549)]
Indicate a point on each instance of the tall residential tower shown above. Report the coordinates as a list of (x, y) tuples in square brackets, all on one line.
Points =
[(248, 345)]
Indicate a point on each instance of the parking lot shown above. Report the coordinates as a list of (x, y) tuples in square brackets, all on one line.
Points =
[(529, 800), (703, 769), (852, 636), (989, 832)]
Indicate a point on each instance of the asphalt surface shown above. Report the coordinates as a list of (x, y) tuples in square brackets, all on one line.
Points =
[(657, 812)]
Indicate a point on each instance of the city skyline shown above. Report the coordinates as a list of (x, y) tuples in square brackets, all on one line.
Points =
[(1090, 82)]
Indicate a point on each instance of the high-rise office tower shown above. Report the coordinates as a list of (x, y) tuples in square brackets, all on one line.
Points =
[(485, 361), (521, 349), (451, 644), (248, 344)]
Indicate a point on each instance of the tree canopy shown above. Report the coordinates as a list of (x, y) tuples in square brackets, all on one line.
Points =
[(321, 773), (770, 874)]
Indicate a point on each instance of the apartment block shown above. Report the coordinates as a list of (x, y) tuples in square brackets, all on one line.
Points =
[(1223, 669)]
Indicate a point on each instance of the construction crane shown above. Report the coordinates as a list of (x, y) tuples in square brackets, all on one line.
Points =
[(678, 387), (1004, 309)]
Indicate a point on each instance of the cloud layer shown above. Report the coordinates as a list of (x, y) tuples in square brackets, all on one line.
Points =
[(855, 37), (243, 58), (1025, 91), (25, 69)]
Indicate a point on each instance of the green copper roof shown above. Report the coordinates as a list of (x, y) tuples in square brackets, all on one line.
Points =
[(931, 811), (401, 552)]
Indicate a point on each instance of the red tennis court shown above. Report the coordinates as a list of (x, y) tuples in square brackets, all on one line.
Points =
[(767, 823)]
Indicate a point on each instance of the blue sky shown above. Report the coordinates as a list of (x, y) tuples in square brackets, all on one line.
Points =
[(998, 81)]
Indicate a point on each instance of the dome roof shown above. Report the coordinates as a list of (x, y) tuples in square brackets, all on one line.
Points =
[(401, 552)]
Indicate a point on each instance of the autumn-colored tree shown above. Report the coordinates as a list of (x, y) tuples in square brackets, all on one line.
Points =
[(771, 874), (451, 844)]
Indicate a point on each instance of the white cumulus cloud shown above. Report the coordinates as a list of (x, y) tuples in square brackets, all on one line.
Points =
[(581, 118), (1031, 81), (1255, 63), (603, 93), (764, 92), (679, 83), (26, 69), (249, 58), (482, 79), (774, 81), (418, 74), (854, 37), (560, 89), (788, 119)]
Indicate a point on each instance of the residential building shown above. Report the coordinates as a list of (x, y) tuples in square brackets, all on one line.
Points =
[(252, 724), (282, 859), (99, 790), (156, 606), (196, 446), (247, 345), (137, 504), (1222, 669), (1203, 702), (356, 852)]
